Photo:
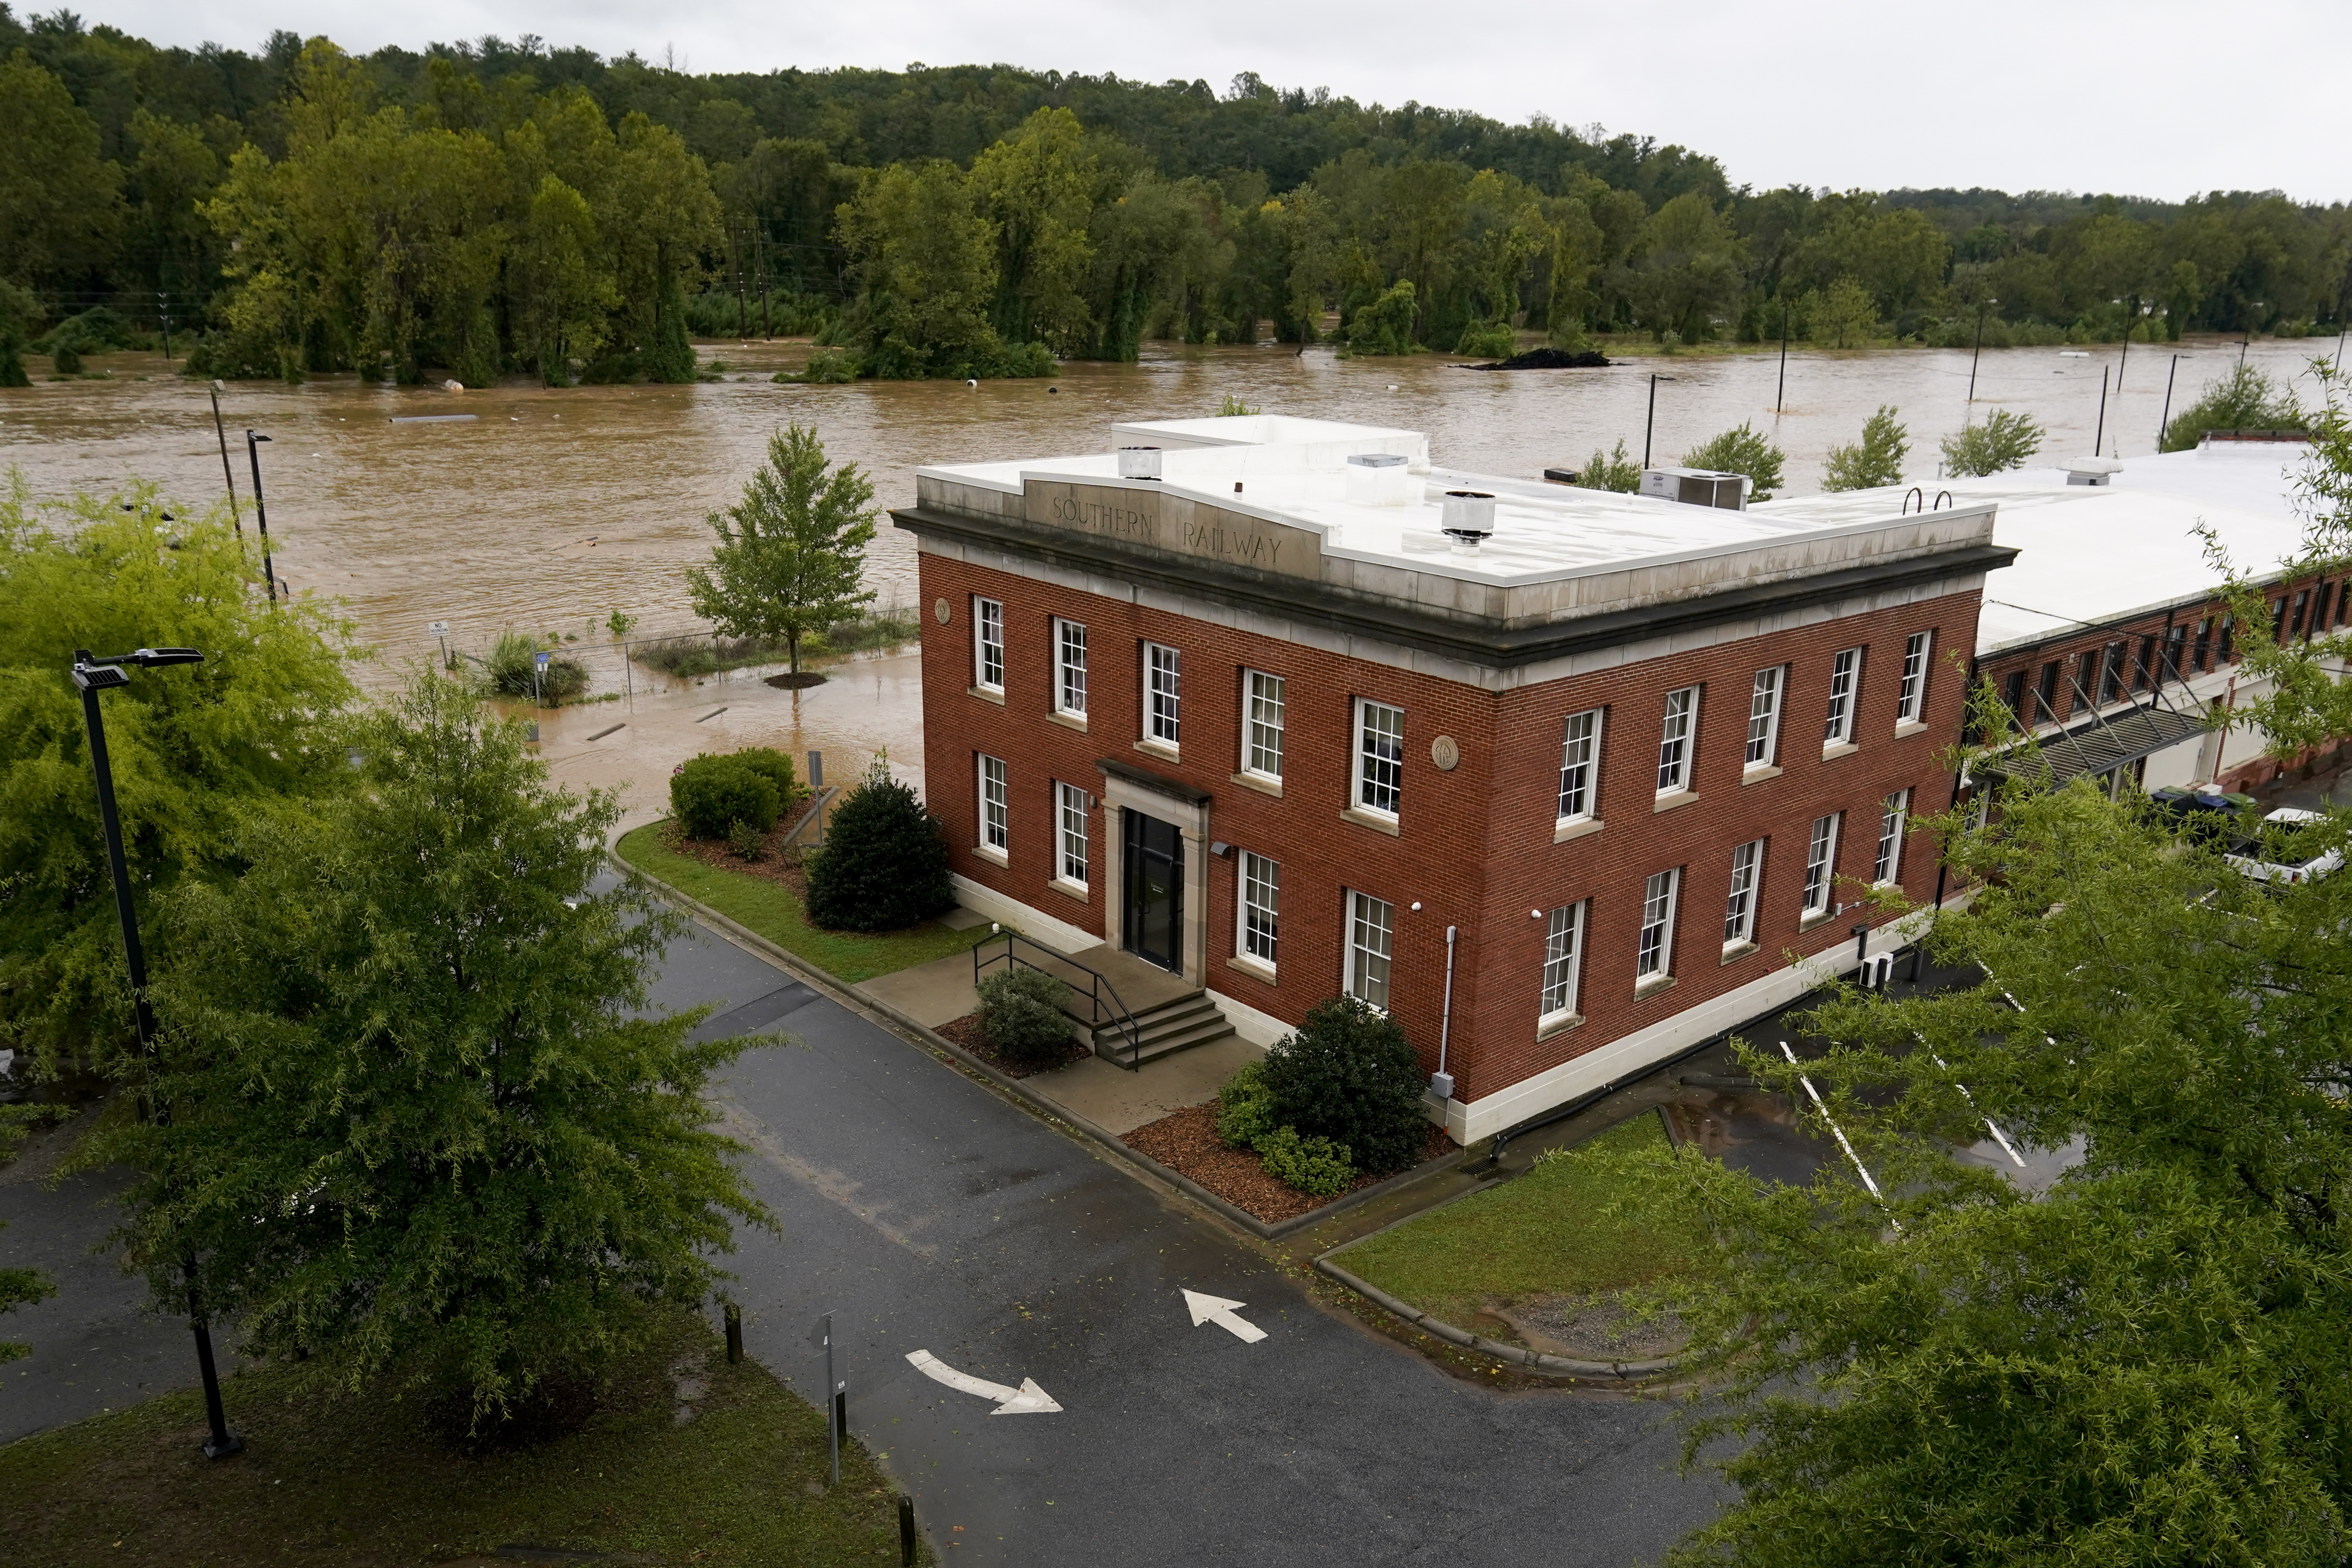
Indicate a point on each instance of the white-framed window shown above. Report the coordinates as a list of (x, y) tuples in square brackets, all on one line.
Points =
[(1261, 724), (1845, 674), (1380, 756), (1261, 911), (1372, 931), (987, 644), (1563, 956), (995, 816), (1070, 819), (1164, 691), (1579, 767), (1070, 667), (1653, 954), (1739, 906), (1674, 740), (1821, 863), (1894, 815), (1912, 701), (1764, 716)]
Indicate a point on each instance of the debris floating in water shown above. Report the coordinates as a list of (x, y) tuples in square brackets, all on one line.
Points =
[(431, 418)]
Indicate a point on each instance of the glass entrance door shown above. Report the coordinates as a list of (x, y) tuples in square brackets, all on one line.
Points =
[(1154, 923)]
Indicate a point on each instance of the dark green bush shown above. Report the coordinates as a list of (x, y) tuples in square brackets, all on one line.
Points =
[(1316, 1167), (1021, 1013), (709, 795), (1349, 1074), (885, 864), (774, 767), (1245, 1108)]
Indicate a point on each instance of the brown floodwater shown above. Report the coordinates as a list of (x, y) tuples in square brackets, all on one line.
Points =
[(551, 509)]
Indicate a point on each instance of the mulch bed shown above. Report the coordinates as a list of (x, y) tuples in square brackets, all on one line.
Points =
[(776, 862), (966, 1032), (1187, 1143), (789, 682)]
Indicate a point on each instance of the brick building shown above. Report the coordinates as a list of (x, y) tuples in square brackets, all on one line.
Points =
[(1566, 781)]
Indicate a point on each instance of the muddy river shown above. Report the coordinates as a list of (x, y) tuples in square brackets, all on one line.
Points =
[(551, 509)]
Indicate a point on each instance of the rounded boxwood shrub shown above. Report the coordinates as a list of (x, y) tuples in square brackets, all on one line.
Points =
[(885, 864), (1316, 1167), (776, 767), (710, 794), (1349, 1074), (1021, 1013)]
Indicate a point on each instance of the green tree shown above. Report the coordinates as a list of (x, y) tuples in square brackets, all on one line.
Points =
[(1611, 471), (18, 312), (59, 201), (421, 1126), (1875, 460), (2002, 442), (196, 752), (1037, 187), (20, 1286), (884, 866), (924, 260), (1742, 449), (792, 553), (1385, 326), (1844, 317), (2242, 399), (1687, 274)]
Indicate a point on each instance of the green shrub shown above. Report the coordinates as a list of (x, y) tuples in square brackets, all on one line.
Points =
[(1021, 1012), (1487, 340), (513, 669), (826, 367), (1385, 326), (2002, 442), (1610, 472), (2245, 399), (708, 795), (1742, 449), (1873, 460), (1245, 1108), (745, 842), (1233, 407), (64, 360), (1316, 1167), (774, 766), (1349, 1074), (885, 864)]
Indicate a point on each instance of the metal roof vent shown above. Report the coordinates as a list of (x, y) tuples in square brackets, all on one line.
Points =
[(1138, 463), (1467, 518), (1698, 487), (2090, 470), (1380, 479)]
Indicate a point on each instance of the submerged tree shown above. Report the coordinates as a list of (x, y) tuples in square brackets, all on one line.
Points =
[(2002, 442), (419, 1123), (792, 553), (1742, 449), (1875, 460)]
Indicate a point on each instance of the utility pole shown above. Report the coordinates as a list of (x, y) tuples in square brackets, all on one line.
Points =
[(2102, 432), (260, 512), (1781, 396), (759, 241), (1651, 423), (228, 474), (2165, 422), (94, 676), (735, 243), (1982, 305)]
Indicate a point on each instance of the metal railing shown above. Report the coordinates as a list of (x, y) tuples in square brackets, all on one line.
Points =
[(1102, 999)]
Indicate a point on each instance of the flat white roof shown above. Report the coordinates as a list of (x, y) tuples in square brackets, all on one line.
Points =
[(2096, 553), (1294, 471)]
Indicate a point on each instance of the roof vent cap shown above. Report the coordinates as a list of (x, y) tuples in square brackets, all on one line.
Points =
[(2091, 470), (1138, 463), (1468, 518)]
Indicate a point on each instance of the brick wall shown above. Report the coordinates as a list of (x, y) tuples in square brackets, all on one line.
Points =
[(1475, 844)]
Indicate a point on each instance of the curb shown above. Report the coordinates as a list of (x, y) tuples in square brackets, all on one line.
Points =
[(1137, 1163), (1616, 1371)]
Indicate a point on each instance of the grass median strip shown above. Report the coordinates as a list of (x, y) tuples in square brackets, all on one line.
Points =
[(774, 911), (686, 1459), (1542, 1236)]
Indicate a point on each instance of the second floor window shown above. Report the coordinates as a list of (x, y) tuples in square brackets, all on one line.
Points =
[(1579, 762), (1261, 724), (1563, 944), (1654, 952), (1764, 717), (1163, 690), (1380, 756), (1261, 908), (1821, 864), (1674, 740), (1888, 866), (1070, 668), (1740, 907), (988, 648), (1070, 802), (994, 798), (1911, 701), (1845, 674)]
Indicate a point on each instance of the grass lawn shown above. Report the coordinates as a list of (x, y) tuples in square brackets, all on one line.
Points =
[(1544, 1233), (330, 1478), (771, 909)]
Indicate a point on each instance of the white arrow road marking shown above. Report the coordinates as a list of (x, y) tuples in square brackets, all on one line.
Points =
[(1027, 1400), (1224, 1314)]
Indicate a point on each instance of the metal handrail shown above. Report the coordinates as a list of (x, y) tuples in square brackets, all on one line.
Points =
[(1120, 1015)]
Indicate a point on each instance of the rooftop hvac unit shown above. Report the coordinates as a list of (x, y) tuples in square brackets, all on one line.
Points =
[(1696, 488), (1380, 480)]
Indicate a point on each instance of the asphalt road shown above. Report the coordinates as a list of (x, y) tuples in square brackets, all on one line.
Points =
[(930, 1214)]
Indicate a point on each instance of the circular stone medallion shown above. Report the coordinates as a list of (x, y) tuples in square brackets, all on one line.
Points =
[(1444, 753), (940, 609)]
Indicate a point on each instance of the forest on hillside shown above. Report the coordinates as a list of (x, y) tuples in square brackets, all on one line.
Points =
[(494, 207)]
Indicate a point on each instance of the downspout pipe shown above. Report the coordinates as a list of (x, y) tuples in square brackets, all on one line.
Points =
[(1440, 1082)]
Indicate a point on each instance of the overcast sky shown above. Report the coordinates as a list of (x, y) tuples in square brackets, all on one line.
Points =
[(2157, 97)]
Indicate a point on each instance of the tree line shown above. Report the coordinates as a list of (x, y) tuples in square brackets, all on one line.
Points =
[(497, 207)]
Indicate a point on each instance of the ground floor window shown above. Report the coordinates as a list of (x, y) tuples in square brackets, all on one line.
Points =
[(1563, 950), (994, 831), (1371, 929), (1261, 908), (1071, 803)]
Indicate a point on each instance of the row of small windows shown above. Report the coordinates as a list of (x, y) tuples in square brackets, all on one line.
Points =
[(2099, 676), (1580, 757)]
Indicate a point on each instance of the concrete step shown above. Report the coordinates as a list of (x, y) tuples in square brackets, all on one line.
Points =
[(1179, 1025)]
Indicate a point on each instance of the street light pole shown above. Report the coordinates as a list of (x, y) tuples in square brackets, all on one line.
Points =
[(93, 675), (1982, 306), (228, 474), (261, 512), (1651, 423), (1781, 396), (2101, 433), (2165, 422)]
